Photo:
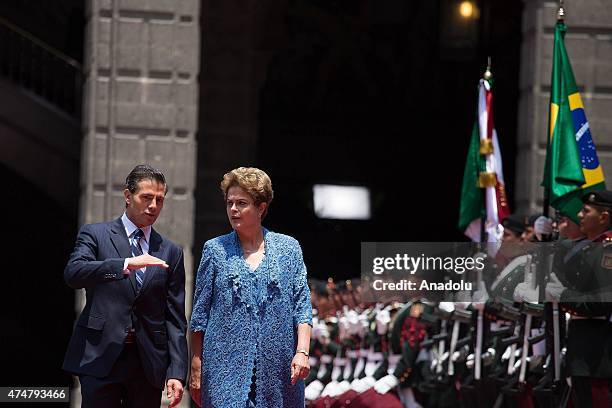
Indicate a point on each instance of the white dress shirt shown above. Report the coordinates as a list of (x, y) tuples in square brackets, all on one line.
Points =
[(129, 231)]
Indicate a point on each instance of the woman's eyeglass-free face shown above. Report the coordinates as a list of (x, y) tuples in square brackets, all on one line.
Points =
[(241, 209)]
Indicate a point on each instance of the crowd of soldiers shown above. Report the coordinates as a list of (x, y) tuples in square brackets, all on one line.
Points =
[(541, 336)]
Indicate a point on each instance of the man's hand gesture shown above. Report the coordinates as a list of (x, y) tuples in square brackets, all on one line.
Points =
[(144, 260)]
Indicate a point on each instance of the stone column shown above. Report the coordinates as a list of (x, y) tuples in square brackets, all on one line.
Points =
[(140, 106), (589, 45)]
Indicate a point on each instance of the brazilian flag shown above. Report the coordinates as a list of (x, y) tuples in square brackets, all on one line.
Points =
[(572, 167)]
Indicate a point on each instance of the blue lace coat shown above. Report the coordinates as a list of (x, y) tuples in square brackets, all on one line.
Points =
[(250, 318)]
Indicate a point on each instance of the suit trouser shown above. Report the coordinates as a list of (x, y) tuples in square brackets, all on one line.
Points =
[(125, 386), (590, 392)]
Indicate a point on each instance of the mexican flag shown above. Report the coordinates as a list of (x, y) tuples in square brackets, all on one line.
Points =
[(572, 167), (483, 194)]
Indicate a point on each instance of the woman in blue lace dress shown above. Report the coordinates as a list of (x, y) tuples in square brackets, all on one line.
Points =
[(252, 316)]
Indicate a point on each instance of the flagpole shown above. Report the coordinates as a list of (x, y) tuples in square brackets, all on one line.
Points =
[(483, 234), (555, 304), (546, 202), (480, 321), (552, 312), (483, 221)]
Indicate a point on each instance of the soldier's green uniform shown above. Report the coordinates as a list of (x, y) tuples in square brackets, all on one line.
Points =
[(585, 269), (588, 279)]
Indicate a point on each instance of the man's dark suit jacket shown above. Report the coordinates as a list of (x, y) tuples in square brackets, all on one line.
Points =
[(156, 312)]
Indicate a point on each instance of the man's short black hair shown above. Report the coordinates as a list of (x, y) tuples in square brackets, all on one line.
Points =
[(144, 172)]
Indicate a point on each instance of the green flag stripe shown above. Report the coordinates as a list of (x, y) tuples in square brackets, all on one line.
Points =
[(563, 173), (472, 205)]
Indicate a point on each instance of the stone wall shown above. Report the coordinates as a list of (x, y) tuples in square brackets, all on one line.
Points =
[(589, 45)]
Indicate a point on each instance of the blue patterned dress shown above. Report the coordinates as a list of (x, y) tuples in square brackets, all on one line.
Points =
[(249, 319)]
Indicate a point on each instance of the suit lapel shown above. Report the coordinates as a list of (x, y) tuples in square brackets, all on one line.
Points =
[(155, 249), (122, 245)]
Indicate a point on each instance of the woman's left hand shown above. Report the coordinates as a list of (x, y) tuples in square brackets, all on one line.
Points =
[(300, 367)]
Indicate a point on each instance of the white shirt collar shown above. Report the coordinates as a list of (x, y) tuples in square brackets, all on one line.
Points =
[(130, 227)]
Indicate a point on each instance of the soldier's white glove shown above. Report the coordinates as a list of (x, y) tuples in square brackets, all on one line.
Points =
[(321, 332), (383, 318), (517, 364), (508, 353), (331, 389), (355, 383), (469, 362), (343, 328), (447, 307), (385, 384), (542, 226), (524, 293), (554, 289), (480, 296), (461, 354), (353, 321), (313, 390), (488, 357), (343, 387), (435, 366), (363, 384), (443, 357)]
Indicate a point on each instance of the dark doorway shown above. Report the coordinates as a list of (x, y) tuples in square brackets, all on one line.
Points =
[(381, 94), (37, 308)]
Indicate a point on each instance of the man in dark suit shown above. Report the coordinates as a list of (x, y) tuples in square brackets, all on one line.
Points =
[(129, 341)]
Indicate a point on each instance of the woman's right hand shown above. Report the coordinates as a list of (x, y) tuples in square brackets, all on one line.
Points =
[(195, 380)]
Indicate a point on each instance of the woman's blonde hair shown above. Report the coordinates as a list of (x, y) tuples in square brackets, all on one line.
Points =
[(252, 180)]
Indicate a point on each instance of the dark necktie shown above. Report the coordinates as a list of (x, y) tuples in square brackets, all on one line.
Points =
[(136, 251)]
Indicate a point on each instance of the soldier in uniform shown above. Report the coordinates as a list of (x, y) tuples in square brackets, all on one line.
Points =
[(581, 282), (514, 226), (511, 245), (568, 229), (510, 260), (529, 232)]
